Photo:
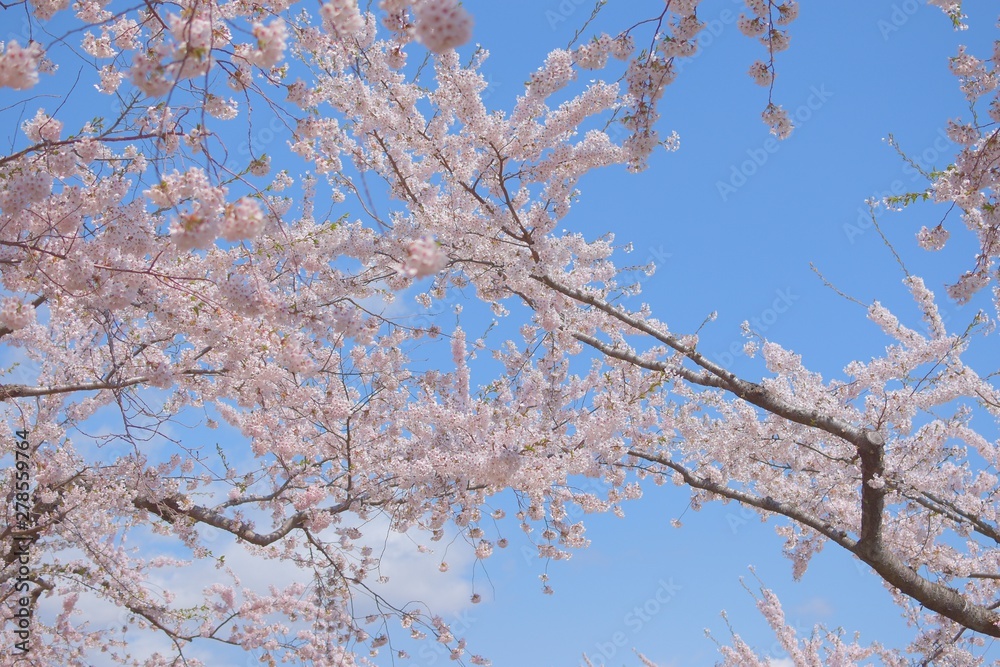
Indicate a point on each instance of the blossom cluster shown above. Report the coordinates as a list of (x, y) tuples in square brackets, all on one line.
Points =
[(441, 25), (270, 43), (423, 258), (19, 65), (15, 314), (762, 23), (777, 119), (342, 17), (969, 182)]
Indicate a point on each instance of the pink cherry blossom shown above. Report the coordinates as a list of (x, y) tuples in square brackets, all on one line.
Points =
[(441, 24), (19, 65), (423, 258)]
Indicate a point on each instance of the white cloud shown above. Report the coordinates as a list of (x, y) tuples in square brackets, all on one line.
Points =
[(414, 582), (816, 606), (415, 576)]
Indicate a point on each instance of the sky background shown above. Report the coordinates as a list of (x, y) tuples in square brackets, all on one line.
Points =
[(729, 235)]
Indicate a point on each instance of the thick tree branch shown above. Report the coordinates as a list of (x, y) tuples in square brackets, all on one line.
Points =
[(869, 444), (170, 510), (937, 597), (12, 391), (767, 504), (748, 391)]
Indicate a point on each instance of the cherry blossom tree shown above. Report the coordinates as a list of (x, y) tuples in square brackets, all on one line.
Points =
[(150, 271)]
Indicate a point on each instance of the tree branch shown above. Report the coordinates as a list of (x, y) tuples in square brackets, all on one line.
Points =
[(170, 510)]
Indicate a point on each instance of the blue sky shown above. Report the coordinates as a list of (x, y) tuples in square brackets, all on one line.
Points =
[(856, 72)]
